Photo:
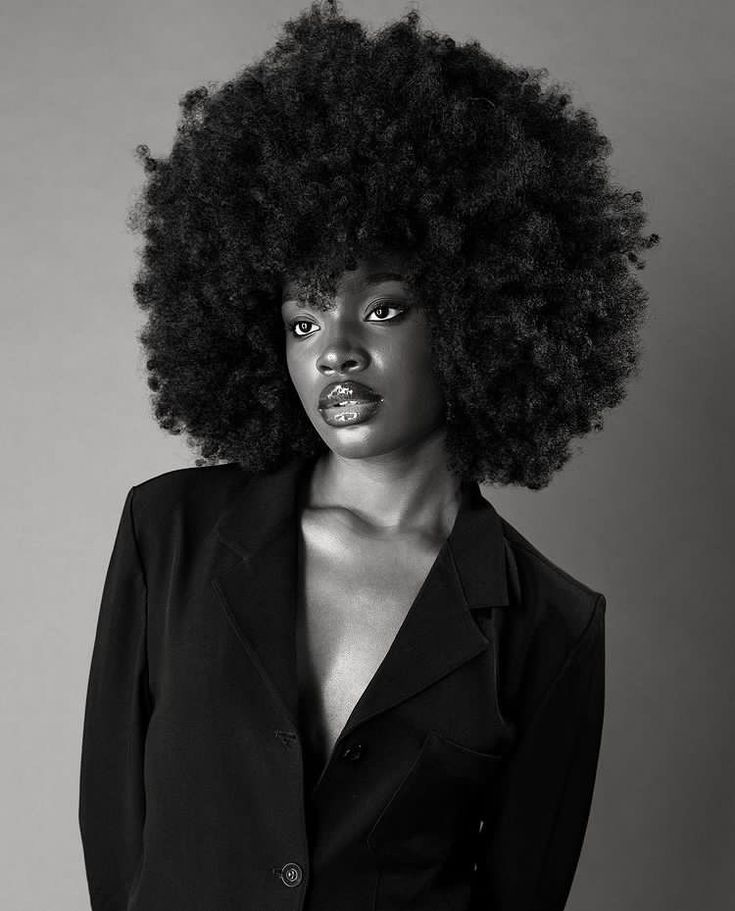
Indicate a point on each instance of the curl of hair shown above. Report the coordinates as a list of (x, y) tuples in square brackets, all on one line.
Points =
[(336, 144)]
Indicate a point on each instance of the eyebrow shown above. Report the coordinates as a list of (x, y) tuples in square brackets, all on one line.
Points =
[(377, 277)]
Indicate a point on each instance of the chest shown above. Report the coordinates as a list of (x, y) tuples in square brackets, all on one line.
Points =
[(354, 594)]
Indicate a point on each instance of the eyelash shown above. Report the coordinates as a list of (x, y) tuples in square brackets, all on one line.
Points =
[(381, 306)]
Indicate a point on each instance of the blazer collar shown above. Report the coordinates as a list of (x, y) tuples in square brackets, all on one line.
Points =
[(267, 504), (257, 588)]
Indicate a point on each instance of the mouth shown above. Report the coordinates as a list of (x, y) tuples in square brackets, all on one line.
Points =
[(348, 402)]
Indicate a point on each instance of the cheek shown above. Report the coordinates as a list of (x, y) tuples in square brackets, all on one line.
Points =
[(296, 369), (290, 360), (419, 355), (412, 372)]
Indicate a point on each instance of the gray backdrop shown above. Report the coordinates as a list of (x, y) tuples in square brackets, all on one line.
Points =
[(644, 512)]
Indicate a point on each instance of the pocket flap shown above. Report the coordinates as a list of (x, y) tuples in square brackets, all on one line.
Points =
[(438, 803)]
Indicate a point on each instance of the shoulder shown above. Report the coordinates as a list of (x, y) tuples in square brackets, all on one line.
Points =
[(191, 495), (555, 593), (554, 624)]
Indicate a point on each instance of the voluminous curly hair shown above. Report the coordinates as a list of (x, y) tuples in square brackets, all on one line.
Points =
[(338, 144)]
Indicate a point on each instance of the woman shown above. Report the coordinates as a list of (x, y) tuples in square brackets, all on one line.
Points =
[(327, 675)]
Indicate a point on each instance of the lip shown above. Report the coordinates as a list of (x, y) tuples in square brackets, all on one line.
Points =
[(349, 414), (347, 392)]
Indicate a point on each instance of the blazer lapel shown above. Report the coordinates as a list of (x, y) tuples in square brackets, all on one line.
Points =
[(439, 633), (259, 594)]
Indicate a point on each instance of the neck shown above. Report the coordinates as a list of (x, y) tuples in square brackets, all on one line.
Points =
[(410, 489)]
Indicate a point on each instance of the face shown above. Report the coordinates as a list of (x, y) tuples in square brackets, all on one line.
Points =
[(362, 368)]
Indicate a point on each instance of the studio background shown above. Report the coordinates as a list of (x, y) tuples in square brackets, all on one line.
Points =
[(643, 513)]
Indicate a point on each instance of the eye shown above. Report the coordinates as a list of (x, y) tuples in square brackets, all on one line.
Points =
[(300, 327), (384, 307)]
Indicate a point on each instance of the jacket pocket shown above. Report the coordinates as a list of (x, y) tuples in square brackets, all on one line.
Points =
[(437, 806)]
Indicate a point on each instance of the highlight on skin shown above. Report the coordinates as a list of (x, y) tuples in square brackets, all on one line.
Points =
[(340, 143)]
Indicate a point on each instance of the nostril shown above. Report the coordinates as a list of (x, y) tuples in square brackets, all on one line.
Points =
[(335, 361), (344, 367)]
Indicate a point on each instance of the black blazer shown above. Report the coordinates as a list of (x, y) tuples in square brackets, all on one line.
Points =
[(462, 780)]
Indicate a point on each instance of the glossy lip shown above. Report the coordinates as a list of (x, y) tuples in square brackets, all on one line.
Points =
[(347, 392), (349, 413)]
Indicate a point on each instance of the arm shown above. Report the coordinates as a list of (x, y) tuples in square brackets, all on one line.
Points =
[(529, 853), (111, 794)]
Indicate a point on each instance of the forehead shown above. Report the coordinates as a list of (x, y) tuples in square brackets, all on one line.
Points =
[(368, 272)]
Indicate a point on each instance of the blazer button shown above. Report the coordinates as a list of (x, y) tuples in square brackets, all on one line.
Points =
[(291, 874), (352, 752)]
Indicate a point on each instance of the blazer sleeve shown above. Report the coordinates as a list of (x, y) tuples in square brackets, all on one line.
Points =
[(111, 792), (529, 852)]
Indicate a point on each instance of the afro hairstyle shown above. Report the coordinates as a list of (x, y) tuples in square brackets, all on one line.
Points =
[(338, 143)]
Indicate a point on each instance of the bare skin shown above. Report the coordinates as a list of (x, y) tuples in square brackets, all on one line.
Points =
[(379, 504)]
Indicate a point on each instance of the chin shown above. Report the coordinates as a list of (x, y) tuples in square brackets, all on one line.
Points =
[(358, 441), (381, 434), (350, 445)]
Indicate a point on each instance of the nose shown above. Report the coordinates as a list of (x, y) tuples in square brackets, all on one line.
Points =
[(339, 356)]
